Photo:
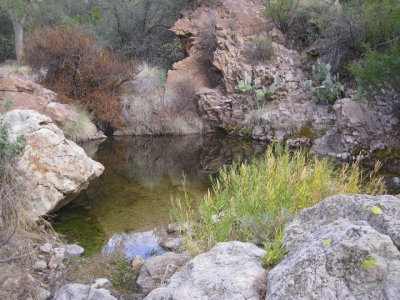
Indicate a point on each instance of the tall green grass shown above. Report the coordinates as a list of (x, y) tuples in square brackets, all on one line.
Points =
[(252, 201)]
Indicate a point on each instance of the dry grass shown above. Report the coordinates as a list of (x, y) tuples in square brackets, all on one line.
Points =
[(154, 110), (81, 128), (20, 235)]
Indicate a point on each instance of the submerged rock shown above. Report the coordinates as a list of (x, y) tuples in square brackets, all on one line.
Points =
[(342, 248), (55, 168), (230, 270), (75, 291)]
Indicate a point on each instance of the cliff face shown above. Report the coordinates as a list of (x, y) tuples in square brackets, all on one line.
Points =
[(217, 38)]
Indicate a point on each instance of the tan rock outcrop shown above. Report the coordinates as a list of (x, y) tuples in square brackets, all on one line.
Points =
[(56, 169)]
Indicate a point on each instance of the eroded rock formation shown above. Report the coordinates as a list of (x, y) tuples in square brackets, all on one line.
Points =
[(216, 39)]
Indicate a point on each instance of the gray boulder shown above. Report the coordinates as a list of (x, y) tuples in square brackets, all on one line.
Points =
[(75, 291), (350, 207), (156, 270), (230, 270), (342, 248)]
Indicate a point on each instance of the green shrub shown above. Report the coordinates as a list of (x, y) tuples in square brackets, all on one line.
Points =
[(326, 88), (282, 12), (378, 72), (311, 20), (279, 184), (260, 48), (8, 149)]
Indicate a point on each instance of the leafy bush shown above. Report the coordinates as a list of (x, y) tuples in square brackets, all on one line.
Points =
[(77, 68), (326, 88), (379, 71), (311, 21), (260, 48), (279, 184), (282, 12)]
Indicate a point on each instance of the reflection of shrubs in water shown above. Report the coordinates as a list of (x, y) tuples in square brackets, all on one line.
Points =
[(152, 110)]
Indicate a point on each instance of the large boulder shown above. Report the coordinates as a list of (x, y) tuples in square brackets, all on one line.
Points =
[(343, 248), (75, 291), (159, 269), (56, 169), (230, 270)]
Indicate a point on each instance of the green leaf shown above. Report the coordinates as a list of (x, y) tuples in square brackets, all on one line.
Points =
[(260, 95)]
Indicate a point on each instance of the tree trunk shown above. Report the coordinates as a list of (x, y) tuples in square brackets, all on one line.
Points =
[(19, 39)]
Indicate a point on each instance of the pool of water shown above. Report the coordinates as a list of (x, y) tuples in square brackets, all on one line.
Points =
[(142, 175)]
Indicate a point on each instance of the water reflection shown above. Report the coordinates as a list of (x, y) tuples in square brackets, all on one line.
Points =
[(142, 175), (144, 244)]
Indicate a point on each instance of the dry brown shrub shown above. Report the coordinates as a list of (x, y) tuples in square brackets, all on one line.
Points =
[(80, 70), (183, 92)]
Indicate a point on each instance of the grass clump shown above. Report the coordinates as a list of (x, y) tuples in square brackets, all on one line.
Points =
[(251, 202), (80, 128), (260, 48)]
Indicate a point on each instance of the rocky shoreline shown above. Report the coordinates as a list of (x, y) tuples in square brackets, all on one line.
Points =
[(346, 247)]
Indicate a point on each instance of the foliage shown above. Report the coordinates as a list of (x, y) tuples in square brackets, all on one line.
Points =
[(6, 37), (139, 29), (326, 88), (282, 12), (245, 85), (274, 250), (260, 48), (261, 92), (9, 149), (378, 71), (81, 128), (264, 92), (311, 20), (278, 184), (79, 69)]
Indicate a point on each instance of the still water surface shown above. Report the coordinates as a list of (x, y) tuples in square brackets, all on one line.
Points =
[(142, 175)]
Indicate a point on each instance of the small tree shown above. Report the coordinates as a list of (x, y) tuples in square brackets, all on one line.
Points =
[(282, 12), (18, 11)]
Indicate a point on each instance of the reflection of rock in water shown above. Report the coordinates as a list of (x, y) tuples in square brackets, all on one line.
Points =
[(217, 153), (144, 244), (91, 147)]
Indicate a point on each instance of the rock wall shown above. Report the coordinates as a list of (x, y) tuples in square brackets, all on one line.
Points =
[(56, 169), (290, 113)]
